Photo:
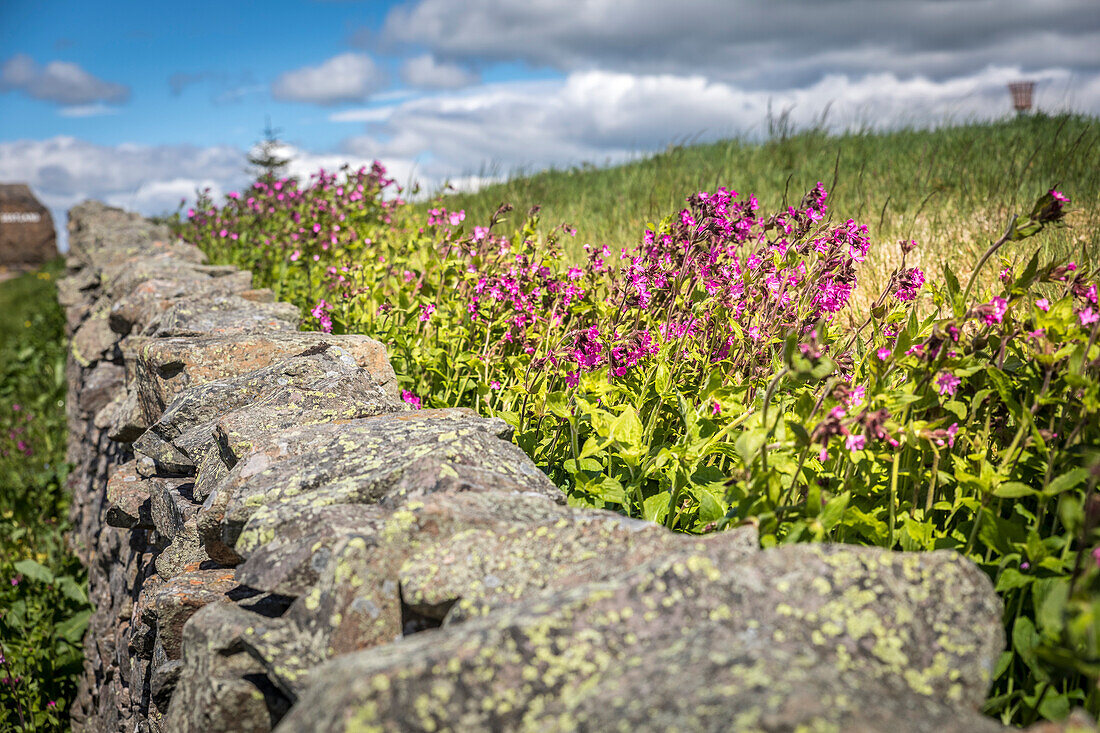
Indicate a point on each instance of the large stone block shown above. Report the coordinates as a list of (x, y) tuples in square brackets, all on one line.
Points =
[(164, 367), (27, 235), (801, 637)]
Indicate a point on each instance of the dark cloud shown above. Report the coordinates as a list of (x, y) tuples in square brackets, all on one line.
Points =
[(777, 45), (58, 81)]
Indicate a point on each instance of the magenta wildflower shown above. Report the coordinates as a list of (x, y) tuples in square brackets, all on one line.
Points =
[(855, 442), (426, 311), (1096, 556), (884, 353), (947, 383), (995, 310), (410, 398), (1042, 304), (908, 283), (1088, 316)]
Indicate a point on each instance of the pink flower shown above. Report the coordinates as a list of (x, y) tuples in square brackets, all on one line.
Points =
[(716, 408), (1088, 316), (426, 311), (947, 383), (884, 353), (1042, 304), (951, 433), (51, 704), (855, 442), (410, 398), (1059, 196), (908, 283), (295, 255), (494, 384), (996, 309), (1096, 556)]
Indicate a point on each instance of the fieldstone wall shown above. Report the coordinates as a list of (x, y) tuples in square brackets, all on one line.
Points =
[(274, 541)]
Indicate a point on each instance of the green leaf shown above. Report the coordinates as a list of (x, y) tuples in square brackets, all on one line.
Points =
[(748, 445), (833, 511), (663, 379), (956, 407), (558, 404), (34, 571), (711, 509), (1024, 640), (71, 589), (1051, 599), (1013, 490), (626, 429), (1066, 481), (655, 507), (1011, 578), (72, 629)]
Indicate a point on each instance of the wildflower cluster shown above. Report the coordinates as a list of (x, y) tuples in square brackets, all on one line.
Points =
[(714, 375)]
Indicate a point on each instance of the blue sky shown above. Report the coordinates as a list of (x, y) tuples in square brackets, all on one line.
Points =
[(140, 103)]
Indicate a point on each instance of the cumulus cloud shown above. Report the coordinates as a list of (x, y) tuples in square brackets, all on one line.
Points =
[(426, 72), (150, 179), (349, 77), (474, 135), (602, 116), (58, 81), (760, 45)]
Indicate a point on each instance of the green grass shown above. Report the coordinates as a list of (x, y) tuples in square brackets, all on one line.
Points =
[(952, 189), (43, 603)]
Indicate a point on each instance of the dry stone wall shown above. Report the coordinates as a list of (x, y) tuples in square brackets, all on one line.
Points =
[(275, 541)]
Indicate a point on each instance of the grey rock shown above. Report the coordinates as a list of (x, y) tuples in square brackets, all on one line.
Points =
[(794, 638)]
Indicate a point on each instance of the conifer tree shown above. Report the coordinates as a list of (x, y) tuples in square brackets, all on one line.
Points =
[(266, 163)]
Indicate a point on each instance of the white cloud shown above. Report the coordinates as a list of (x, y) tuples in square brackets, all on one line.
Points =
[(349, 77), (88, 110), (366, 114), (476, 135), (601, 116), (58, 81), (425, 72), (757, 44)]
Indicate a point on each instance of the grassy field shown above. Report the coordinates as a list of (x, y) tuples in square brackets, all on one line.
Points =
[(952, 189), (43, 605)]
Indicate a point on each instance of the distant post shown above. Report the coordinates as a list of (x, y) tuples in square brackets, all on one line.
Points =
[(1021, 95)]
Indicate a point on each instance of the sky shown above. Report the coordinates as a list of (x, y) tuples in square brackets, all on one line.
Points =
[(139, 104)]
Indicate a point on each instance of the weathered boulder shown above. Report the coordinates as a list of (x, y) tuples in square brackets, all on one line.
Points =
[(164, 367), (27, 235), (145, 304), (320, 385), (224, 316), (795, 638), (466, 552), (220, 686), (387, 458)]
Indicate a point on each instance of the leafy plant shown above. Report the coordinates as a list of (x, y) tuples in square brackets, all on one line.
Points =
[(718, 373), (44, 608)]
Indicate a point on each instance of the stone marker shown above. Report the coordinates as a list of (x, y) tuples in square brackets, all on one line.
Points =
[(27, 236)]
